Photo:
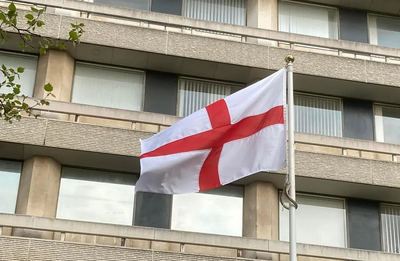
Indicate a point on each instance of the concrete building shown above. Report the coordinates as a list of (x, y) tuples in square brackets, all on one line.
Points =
[(67, 179)]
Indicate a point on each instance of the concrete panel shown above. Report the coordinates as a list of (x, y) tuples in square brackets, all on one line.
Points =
[(382, 73), (56, 67), (27, 131), (198, 68), (376, 156), (94, 53), (319, 64), (105, 122), (319, 149), (38, 192), (159, 62), (53, 250), (129, 58), (210, 49), (261, 211), (385, 173), (332, 167), (86, 137), (14, 248)]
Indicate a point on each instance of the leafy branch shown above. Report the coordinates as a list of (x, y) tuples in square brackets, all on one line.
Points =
[(12, 103)]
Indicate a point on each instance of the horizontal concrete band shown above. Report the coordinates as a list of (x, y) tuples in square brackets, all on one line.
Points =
[(168, 120), (161, 235), (174, 42), (179, 21), (125, 142)]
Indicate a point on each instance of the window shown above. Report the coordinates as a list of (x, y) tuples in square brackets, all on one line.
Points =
[(384, 31), (318, 115), (387, 124), (218, 211), (135, 4), (223, 11), (108, 87), (390, 227), (319, 221), (195, 95), (27, 79), (10, 172), (308, 20), (96, 196)]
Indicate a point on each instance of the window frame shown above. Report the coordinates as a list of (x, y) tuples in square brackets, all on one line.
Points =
[(337, 20), (135, 177), (149, 10), (228, 191), (345, 214), (371, 20), (378, 127), (326, 97), (115, 68), (19, 180), (28, 55), (246, 20), (180, 78), (381, 204)]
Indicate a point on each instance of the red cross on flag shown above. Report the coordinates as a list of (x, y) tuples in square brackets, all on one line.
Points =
[(237, 136)]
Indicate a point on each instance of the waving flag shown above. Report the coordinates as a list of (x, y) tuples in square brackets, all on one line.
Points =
[(237, 136)]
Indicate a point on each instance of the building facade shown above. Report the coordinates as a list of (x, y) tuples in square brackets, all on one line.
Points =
[(67, 179)]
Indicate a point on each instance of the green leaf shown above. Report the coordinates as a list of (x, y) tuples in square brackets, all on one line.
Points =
[(62, 47), (11, 78), (25, 106), (42, 102), (42, 50), (33, 9), (20, 70), (17, 91), (73, 35), (39, 23), (12, 7), (29, 16), (10, 96), (81, 24), (3, 67), (2, 17), (17, 102), (48, 87)]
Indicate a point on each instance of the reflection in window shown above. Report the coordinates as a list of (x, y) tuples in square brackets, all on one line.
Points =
[(135, 4), (390, 224), (108, 87), (27, 79), (218, 211), (318, 115), (10, 172), (195, 95), (384, 31), (387, 124), (223, 11), (308, 20), (96, 196), (319, 221)]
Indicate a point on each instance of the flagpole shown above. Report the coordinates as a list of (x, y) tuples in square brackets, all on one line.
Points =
[(292, 180)]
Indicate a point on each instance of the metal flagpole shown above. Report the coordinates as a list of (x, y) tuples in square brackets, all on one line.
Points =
[(292, 180)]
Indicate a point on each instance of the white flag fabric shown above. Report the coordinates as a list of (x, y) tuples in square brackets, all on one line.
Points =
[(237, 136)]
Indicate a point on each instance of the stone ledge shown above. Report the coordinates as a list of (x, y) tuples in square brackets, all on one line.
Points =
[(51, 247)]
